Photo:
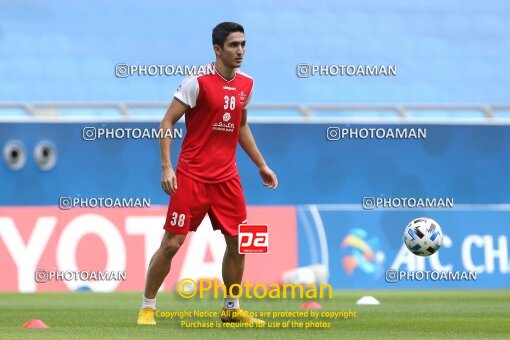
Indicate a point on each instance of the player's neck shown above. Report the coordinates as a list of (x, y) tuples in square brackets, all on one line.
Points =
[(226, 72)]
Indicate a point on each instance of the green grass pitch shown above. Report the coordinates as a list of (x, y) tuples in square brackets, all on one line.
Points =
[(401, 314)]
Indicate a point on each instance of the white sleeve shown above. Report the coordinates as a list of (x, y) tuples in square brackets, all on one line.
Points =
[(248, 100), (187, 93)]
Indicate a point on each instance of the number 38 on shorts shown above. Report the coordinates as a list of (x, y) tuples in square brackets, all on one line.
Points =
[(177, 219)]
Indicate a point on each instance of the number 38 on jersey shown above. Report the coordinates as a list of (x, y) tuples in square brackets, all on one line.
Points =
[(230, 102)]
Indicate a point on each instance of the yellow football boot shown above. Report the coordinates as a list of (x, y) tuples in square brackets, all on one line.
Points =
[(146, 316)]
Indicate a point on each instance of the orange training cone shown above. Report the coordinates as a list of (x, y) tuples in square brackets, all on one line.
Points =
[(35, 324), (311, 305)]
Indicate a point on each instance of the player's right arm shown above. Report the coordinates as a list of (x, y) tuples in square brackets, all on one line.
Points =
[(172, 116), (184, 98)]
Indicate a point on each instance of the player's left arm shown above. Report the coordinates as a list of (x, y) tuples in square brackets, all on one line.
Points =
[(249, 146)]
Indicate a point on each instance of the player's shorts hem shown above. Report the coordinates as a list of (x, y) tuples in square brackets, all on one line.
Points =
[(175, 231)]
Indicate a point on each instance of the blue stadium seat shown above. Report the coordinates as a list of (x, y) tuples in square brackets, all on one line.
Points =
[(446, 51)]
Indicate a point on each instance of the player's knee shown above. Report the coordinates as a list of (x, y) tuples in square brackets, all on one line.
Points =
[(234, 253), (170, 247), (232, 245)]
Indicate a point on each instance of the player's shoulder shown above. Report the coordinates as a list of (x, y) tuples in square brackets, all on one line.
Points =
[(192, 80), (242, 74)]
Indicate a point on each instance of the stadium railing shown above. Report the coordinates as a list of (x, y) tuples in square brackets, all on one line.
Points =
[(296, 112)]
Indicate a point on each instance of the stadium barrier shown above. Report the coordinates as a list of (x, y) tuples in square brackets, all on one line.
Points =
[(93, 109)]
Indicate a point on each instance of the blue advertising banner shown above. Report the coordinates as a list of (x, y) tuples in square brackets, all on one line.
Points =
[(362, 245)]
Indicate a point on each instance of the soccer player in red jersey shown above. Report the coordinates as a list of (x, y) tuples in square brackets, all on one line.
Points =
[(206, 181)]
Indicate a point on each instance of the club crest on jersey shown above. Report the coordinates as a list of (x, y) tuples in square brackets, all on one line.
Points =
[(242, 98), (226, 117)]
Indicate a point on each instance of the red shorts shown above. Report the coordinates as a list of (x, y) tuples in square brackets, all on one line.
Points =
[(224, 202)]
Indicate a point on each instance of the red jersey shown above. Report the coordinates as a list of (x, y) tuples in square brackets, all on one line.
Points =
[(213, 121)]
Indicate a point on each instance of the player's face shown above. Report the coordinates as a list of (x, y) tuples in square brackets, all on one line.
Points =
[(232, 52)]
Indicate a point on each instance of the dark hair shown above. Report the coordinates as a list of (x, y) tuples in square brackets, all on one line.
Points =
[(221, 32)]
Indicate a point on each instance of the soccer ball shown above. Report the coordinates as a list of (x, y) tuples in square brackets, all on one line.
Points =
[(423, 236)]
